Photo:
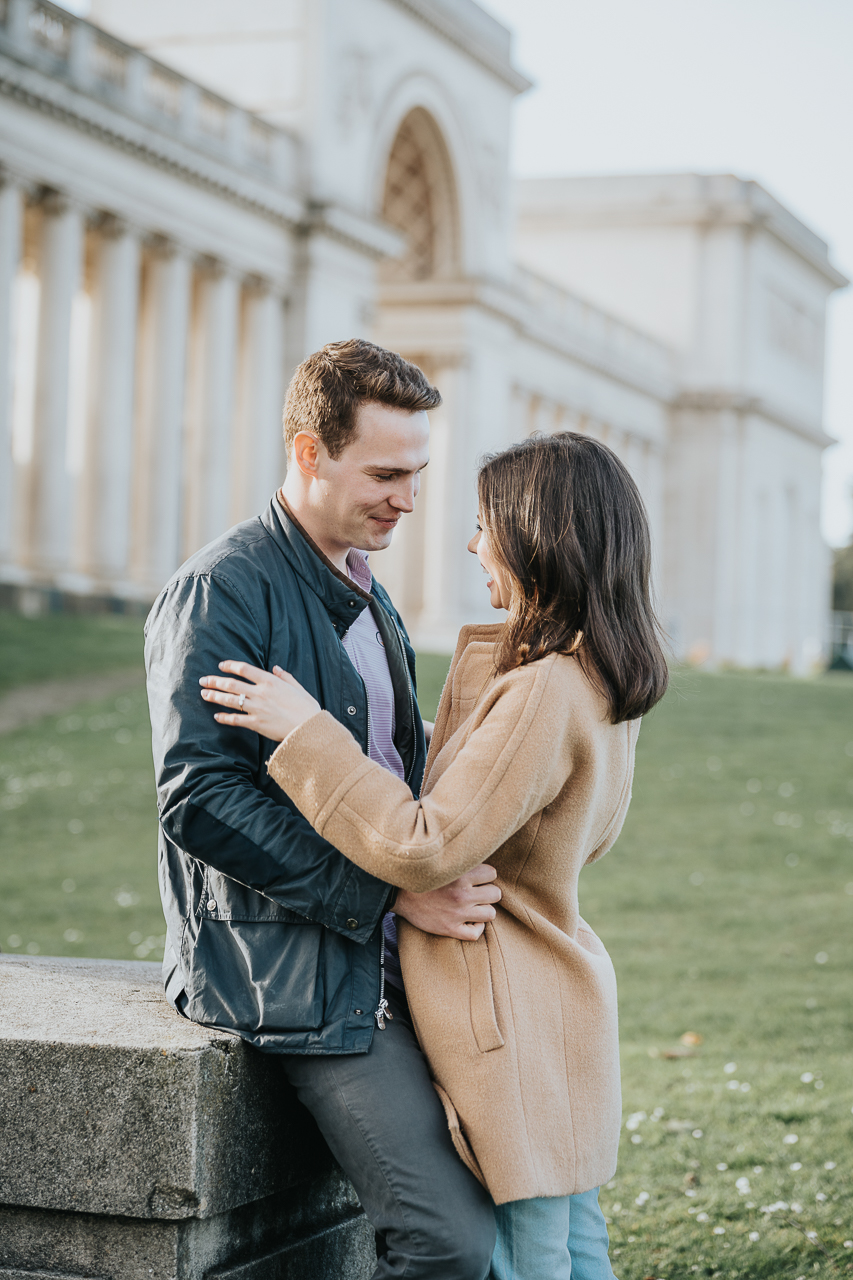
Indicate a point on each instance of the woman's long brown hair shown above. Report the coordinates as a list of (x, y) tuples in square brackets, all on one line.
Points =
[(566, 521)]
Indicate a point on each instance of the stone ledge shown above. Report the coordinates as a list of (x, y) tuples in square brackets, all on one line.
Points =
[(113, 1104)]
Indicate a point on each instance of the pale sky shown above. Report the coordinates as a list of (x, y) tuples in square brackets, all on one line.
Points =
[(759, 88)]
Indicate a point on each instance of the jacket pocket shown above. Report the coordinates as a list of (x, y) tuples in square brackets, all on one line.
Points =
[(484, 1019), (255, 976)]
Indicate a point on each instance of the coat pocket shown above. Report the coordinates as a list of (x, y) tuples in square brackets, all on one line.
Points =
[(484, 1019), (463, 1147), (255, 976)]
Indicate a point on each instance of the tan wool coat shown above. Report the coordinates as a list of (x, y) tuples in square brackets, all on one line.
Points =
[(524, 771)]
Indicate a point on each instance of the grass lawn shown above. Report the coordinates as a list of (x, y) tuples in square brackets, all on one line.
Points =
[(65, 645), (727, 906)]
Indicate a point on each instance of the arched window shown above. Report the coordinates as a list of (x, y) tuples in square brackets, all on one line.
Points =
[(420, 200)]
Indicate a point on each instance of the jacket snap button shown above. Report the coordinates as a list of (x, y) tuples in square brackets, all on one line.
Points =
[(211, 906), (352, 924), (351, 603), (351, 711), (359, 1011)]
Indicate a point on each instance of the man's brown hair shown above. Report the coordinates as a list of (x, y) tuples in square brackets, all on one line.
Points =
[(327, 389)]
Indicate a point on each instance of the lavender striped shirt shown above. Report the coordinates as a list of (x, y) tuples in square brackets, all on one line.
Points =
[(366, 652)]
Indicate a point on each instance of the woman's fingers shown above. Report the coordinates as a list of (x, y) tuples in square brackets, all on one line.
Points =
[(226, 686), (245, 670), (223, 698), (281, 674)]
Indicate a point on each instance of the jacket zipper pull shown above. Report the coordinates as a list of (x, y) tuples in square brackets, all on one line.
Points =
[(383, 1012)]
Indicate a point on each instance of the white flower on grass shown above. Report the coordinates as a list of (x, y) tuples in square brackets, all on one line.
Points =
[(636, 1137), (697, 1133), (806, 1077), (790, 1138), (811, 1235), (830, 1164), (775, 1207), (820, 1197), (719, 1231), (691, 1192), (742, 1185), (702, 1217), (721, 1168), (730, 1068), (796, 1207), (848, 1244), (758, 1168), (821, 957), (753, 1235), (745, 1088), (795, 1167), (642, 1198), (633, 1121)]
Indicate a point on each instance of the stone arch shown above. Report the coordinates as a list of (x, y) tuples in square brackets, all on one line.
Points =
[(419, 199)]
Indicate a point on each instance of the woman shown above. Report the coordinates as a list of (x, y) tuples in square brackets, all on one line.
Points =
[(530, 767)]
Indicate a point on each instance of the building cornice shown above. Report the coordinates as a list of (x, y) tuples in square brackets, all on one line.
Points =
[(52, 98), (721, 400), (458, 34), (775, 221), (654, 376), (369, 236)]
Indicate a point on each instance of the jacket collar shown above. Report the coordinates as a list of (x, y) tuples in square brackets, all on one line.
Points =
[(343, 598)]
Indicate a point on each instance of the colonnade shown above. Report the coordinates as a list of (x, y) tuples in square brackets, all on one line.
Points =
[(140, 397)]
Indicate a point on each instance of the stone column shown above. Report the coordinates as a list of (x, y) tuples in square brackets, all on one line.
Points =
[(11, 216), (448, 511), (210, 407), (50, 492), (160, 396), (257, 452), (106, 483)]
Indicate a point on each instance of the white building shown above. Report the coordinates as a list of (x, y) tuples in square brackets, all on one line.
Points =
[(197, 194)]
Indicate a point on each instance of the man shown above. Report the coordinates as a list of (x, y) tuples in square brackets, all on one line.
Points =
[(270, 931)]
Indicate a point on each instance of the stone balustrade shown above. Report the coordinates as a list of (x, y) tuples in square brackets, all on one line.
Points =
[(138, 1146), (68, 48)]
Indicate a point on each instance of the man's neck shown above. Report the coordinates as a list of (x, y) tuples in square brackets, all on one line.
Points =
[(313, 524)]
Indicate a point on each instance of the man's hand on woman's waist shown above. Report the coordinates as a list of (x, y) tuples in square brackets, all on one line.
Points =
[(460, 909)]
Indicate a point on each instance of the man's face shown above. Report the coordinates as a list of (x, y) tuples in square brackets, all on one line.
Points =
[(363, 493)]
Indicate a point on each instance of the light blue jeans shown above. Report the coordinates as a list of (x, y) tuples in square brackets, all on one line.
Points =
[(564, 1238)]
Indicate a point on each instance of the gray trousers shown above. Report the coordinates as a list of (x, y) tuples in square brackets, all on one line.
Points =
[(386, 1128)]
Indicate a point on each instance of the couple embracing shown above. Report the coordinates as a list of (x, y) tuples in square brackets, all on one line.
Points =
[(400, 926)]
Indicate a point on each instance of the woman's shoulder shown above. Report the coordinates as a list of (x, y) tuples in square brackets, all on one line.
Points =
[(562, 687)]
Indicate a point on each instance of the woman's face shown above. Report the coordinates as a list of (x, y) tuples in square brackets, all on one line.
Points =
[(497, 583)]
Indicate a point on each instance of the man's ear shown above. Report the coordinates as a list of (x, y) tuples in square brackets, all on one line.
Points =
[(306, 452)]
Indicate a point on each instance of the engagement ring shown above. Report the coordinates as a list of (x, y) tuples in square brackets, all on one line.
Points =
[(241, 701)]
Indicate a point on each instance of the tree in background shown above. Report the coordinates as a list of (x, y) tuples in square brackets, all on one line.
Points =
[(842, 579)]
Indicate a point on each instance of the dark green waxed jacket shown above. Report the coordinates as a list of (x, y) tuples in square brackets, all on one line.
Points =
[(271, 932)]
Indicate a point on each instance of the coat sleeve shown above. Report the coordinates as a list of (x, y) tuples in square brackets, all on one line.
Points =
[(210, 777), (516, 760)]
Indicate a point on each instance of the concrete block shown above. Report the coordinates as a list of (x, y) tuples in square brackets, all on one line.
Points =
[(138, 1146)]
